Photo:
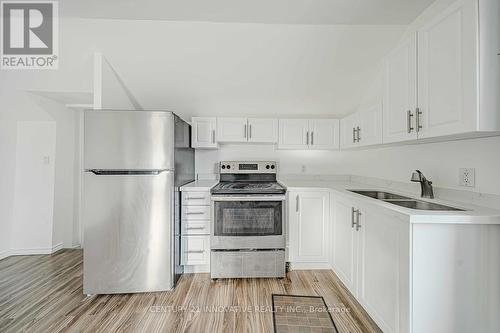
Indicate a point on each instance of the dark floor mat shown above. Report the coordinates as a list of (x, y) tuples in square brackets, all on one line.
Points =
[(301, 314)]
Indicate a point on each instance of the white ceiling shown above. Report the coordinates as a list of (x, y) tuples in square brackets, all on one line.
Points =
[(251, 11), (215, 69)]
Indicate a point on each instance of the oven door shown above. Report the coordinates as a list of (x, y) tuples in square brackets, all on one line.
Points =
[(248, 222)]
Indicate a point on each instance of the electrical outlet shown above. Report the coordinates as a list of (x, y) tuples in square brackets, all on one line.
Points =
[(467, 177), (303, 169)]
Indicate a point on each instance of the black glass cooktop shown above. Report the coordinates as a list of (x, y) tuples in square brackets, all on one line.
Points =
[(248, 188)]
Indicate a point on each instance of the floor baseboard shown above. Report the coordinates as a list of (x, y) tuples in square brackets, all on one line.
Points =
[(4, 254), (309, 265), (31, 251)]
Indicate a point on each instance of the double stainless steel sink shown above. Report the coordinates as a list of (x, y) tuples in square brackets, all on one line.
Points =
[(403, 201)]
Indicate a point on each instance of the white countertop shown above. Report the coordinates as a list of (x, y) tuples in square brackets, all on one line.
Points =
[(473, 214), (199, 186)]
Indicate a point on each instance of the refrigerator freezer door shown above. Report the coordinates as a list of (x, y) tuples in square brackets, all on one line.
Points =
[(128, 241), (135, 140)]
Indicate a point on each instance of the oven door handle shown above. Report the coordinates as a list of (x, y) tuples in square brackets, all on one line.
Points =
[(249, 198)]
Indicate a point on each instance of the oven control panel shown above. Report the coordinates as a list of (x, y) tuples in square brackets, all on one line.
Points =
[(248, 167)]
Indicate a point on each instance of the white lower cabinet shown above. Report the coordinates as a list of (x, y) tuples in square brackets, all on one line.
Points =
[(195, 227), (344, 243), (197, 199), (308, 222), (383, 268), (195, 250), (455, 280), (434, 277), (195, 231), (370, 256)]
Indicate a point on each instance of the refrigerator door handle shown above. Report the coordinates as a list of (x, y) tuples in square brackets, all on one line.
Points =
[(107, 172)]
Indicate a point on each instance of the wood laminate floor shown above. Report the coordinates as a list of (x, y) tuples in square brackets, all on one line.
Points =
[(43, 293)]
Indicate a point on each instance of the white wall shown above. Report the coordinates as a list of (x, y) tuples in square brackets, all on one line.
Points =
[(289, 161), (190, 67), (198, 68), (65, 172), (33, 210), (439, 161), (17, 107), (14, 108), (8, 137)]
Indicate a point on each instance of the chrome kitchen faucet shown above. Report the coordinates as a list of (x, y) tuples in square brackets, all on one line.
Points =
[(426, 185)]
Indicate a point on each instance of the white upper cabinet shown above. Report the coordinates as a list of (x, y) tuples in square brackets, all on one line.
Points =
[(203, 132), (400, 96), (324, 134), (435, 84), (363, 128), (348, 125), (232, 130), (447, 71), (489, 69), (370, 128), (293, 134), (309, 219), (262, 130), (259, 130), (320, 134)]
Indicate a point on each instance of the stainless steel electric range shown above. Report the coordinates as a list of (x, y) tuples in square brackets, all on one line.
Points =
[(248, 232)]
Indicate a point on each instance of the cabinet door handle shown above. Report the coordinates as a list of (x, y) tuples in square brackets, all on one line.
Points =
[(358, 219), (245, 131), (213, 136), (418, 118), (195, 228), (194, 251), (358, 129), (195, 198), (312, 138), (307, 138), (409, 117), (250, 131), (297, 203), (353, 212), (195, 213)]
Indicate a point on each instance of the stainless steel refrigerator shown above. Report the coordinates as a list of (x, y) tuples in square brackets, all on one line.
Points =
[(135, 162)]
